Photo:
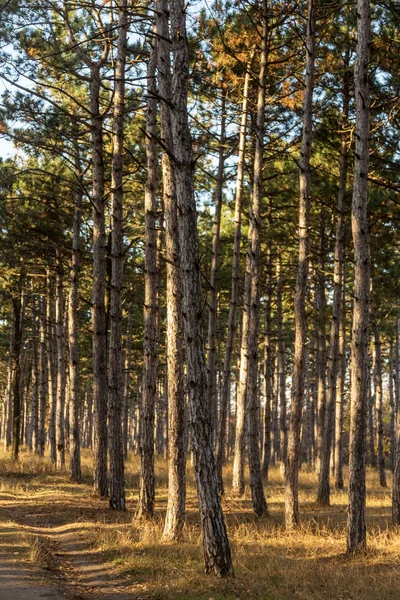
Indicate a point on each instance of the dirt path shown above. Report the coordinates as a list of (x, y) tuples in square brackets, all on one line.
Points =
[(18, 581), (70, 564)]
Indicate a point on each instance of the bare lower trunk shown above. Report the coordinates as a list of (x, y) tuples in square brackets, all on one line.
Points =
[(268, 372), (73, 331), (340, 394), (333, 367), (254, 250), (392, 408), (99, 338), (215, 256), (61, 380), (396, 472), (293, 458), (43, 384), (150, 340), (226, 380), (217, 556), (281, 368), (175, 517), (356, 525), (51, 366), (379, 404), (115, 387), (34, 424), (17, 303)]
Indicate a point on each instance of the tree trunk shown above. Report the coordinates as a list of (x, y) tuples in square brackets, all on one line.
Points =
[(293, 458), (99, 337), (43, 389), (61, 379), (379, 404), (254, 251), (226, 379), (73, 332), (150, 339), (392, 408), (115, 387), (341, 377), (17, 303), (127, 385), (281, 367), (396, 472), (356, 526), (268, 371), (323, 419), (51, 366), (217, 555), (213, 299), (333, 367), (34, 424), (175, 516)]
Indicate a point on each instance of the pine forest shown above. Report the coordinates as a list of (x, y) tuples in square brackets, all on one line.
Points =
[(199, 299)]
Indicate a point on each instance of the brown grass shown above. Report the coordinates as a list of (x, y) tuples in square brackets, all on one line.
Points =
[(270, 563)]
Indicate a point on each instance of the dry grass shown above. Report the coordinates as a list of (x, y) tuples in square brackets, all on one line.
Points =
[(270, 563)]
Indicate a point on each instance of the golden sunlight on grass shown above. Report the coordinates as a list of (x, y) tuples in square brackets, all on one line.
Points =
[(270, 563)]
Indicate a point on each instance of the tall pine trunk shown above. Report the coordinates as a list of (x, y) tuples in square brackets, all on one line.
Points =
[(151, 282), (227, 370), (115, 387), (174, 519), (217, 555), (254, 250), (356, 525), (61, 375), (293, 457), (379, 404), (73, 332)]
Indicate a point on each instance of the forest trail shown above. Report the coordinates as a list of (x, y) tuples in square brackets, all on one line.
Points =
[(69, 563), (17, 580)]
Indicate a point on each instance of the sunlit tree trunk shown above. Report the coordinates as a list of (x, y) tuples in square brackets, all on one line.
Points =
[(174, 519), (379, 404), (216, 549), (151, 282), (356, 525), (254, 250), (115, 384), (215, 258), (340, 393), (61, 378), (43, 379), (226, 379), (73, 332), (297, 398)]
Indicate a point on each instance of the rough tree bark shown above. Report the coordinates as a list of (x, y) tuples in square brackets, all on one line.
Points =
[(73, 332), (281, 366), (115, 387), (323, 496), (226, 379), (379, 404), (61, 379), (356, 525), (293, 457), (396, 472), (151, 281), (175, 516), (340, 397), (217, 555), (43, 387), (215, 255), (254, 251), (17, 302)]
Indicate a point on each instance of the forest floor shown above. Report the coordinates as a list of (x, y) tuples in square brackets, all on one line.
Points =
[(76, 544)]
